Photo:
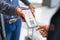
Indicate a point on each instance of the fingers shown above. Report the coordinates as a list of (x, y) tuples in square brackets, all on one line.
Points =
[(20, 13), (23, 19), (44, 34), (38, 28), (42, 27), (32, 8), (43, 30)]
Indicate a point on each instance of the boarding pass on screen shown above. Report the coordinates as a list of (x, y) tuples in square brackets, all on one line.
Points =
[(29, 18)]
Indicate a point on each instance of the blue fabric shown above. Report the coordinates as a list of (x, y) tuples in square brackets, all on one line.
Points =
[(13, 30), (13, 2)]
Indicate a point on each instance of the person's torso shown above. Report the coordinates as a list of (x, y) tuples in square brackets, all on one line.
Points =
[(14, 3), (55, 34)]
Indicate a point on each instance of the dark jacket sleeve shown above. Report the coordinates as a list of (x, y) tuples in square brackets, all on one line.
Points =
[(6, 8), (25, 2)]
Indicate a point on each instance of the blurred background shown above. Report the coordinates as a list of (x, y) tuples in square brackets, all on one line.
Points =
[(44, 10)]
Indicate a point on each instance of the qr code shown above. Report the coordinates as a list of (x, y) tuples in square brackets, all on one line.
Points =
[(31, 22)]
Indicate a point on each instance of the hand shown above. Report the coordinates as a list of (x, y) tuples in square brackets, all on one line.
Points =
[(32, 8), (43, 29), (20, 13)]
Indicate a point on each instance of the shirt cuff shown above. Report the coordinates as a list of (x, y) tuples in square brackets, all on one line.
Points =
[(26, 2)]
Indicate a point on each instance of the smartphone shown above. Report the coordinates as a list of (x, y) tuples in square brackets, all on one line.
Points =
[(30, 20)]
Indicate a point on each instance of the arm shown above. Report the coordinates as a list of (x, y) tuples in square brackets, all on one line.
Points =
[(9, 9), (31, 6), (6, 8), (25, 2), (43, 29)]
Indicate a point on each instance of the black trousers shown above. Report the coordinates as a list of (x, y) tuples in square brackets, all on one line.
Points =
[(54, 31)]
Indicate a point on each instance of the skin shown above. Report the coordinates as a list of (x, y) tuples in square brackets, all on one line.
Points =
[(43, 29), (20, 13)]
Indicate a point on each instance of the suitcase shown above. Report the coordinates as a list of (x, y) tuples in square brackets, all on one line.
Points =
[(2, 31)]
